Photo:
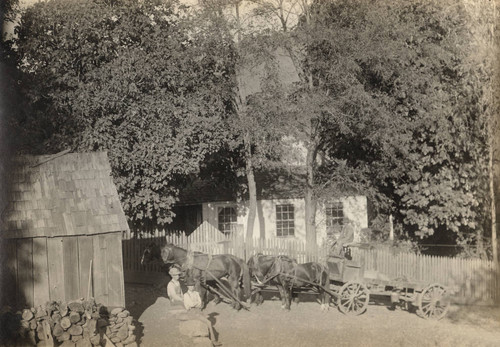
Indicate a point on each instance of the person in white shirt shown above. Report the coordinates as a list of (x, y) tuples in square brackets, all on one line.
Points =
[(174, 289), (192, 303), (192, 298)]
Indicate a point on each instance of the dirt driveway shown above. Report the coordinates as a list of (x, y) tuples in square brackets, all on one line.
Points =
[(306, 325)]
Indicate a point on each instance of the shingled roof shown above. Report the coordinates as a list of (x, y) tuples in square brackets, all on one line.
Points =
[(271, 184), (72, 194)]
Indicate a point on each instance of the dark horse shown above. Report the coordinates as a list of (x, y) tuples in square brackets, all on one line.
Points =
[(205, 268), (287, 275), (260, 266)]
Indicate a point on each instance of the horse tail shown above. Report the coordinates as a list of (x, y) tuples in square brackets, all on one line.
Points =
[(247, 290)]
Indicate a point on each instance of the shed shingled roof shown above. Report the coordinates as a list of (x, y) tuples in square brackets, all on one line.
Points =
[(73, 194)]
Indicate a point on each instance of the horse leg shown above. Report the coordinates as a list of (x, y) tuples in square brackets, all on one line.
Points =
[(322, 299), (235, 289), (199, 287), (285, 296), (217, 298), (288, 296), (259, 299), (325, 296), (282, 295)]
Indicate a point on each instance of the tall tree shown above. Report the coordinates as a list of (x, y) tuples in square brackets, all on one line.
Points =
[(131, 78), (407, 65), (483, 68), (386, 102), (256, 136)]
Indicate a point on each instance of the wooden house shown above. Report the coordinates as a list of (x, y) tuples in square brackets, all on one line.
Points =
[(280, 208), (61, 231)]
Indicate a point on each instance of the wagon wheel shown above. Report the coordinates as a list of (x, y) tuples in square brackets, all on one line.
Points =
[(353, 298), (433, 302)]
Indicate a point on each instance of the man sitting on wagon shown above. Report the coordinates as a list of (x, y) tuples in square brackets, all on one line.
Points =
[(345, 238)]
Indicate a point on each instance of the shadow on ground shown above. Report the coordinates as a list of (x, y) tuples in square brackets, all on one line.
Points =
[(138, 297)]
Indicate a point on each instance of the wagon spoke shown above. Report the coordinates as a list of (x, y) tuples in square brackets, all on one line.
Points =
[(353, 298), (426, 307), (351, 302), (438, 310), (432, 302)]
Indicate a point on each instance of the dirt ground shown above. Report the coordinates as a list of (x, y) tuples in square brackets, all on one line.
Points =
[(306, 325)]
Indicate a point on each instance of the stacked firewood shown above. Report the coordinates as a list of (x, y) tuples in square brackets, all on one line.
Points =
[(120, 329), (77, 323)]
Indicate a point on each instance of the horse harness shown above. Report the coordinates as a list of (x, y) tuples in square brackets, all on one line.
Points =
[(278, 265), (294, 278), (189, 265)]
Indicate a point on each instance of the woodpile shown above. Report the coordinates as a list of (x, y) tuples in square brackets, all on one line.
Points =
[(78, 323), (120, 329)]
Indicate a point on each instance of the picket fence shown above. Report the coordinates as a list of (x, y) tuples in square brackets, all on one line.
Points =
[(471, 280)]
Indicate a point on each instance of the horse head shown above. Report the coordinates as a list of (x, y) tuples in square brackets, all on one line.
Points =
[(151, 253), (173, 254), (281, 266), (257, 266)]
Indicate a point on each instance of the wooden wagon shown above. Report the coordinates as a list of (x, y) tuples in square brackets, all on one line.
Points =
[(352, 286)]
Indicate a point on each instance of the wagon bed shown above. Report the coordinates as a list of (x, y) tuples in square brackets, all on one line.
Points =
[(353, 286)]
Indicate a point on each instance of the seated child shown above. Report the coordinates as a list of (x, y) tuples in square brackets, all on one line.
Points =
[(192, 303)]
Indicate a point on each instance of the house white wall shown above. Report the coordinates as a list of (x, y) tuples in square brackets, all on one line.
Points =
[(355, 208)]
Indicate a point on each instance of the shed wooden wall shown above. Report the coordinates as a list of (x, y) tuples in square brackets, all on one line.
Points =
[(57, 268)]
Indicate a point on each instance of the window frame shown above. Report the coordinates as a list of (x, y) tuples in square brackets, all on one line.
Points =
[(332, 215), (285, 227), (232, 222)]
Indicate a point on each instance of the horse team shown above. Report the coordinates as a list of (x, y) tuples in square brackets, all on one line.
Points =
[(229, 277)]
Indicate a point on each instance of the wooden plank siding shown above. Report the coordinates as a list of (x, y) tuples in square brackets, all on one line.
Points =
[(100, 270), (57, 268), (40, 271), (85, 254), (70, 268), (114, 264), (24, 286), (9, 261)]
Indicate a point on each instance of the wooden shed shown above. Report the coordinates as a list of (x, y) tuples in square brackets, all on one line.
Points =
[(61, 231)]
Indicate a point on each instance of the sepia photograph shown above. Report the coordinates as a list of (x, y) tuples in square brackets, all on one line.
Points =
[(249, 173)]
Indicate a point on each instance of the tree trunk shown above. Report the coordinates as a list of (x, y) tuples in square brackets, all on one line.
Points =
[(492, 137), (493, 211), (310, 200), (249, 169), (252, 188)]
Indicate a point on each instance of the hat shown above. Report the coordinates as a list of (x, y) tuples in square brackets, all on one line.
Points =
[(174, 271), (189, 282)]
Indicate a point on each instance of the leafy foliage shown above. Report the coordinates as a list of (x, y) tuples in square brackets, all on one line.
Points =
[(390, 102), (401, 76), (395, 100), (131, 78)]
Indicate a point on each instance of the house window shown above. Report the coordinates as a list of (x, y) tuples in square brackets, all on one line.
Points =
[(334, 214), (227, 219), (285, 225)]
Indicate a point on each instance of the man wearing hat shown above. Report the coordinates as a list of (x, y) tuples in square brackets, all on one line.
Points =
[(174, 290)]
